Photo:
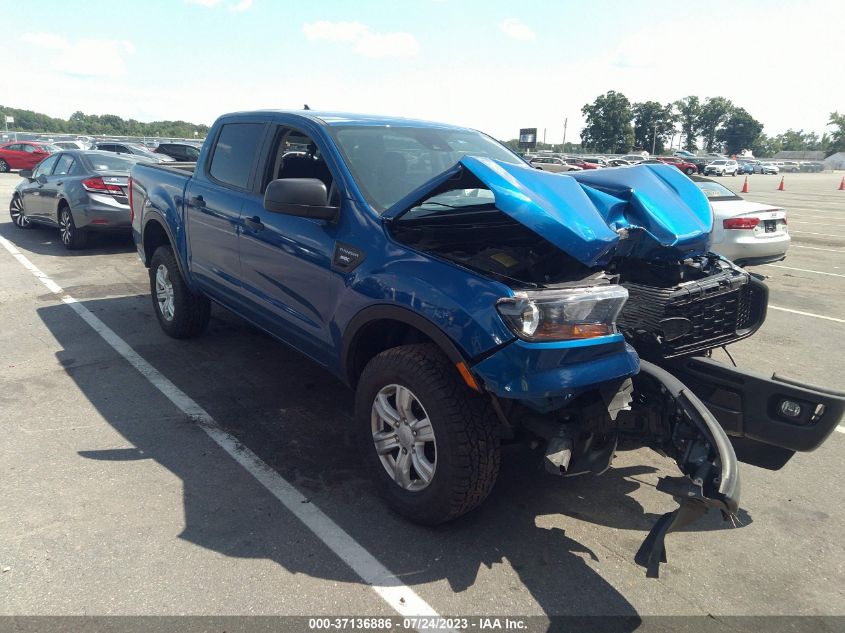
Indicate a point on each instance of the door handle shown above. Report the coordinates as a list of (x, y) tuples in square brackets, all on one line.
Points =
[(197, 201), (254, 223), (59, 184)]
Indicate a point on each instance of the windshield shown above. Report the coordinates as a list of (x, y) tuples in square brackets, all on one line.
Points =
[(390, 162), (718, 162), (715, 190), (107, 161)]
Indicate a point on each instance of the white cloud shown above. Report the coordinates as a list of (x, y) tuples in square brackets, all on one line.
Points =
[(334, 31), (204, 3), (240, 7), (366, 42), (86, 56), (517, 29)]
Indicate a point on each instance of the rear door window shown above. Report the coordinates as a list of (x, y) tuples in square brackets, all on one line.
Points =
[(45, 166), (64, 165), (235, 152)]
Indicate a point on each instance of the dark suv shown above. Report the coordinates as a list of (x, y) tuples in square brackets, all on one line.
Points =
[(182, 152)]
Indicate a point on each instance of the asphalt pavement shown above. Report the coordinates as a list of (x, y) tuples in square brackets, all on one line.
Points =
[(117, 502)]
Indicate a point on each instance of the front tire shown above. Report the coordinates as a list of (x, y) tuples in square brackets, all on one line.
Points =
[(429, 441), (690, 171), (4, 167), (181, 312), (72, 237), (17, 213)]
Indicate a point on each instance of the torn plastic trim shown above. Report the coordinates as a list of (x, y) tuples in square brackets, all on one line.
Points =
[(690, 491)]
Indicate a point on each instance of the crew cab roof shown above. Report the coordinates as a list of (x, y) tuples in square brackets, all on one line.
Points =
[(347, 118)]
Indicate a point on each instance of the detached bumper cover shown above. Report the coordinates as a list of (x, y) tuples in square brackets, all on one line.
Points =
[(707, 459), (750, 407)]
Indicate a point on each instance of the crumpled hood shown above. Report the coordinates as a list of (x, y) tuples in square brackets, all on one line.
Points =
[(645, 211)]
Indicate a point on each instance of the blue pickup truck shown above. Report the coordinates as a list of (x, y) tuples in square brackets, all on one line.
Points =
[(471, 300)]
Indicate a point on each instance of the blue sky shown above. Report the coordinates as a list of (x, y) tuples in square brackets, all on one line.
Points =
[(493, 65)]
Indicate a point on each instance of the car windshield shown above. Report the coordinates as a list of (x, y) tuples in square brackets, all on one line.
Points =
[(719, 162), (715, 190), (390, 162), (110, 162)]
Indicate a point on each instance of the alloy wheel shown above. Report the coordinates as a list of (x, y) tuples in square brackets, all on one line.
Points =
[(66, 227), (164, 293), (403, 437), (18, 215)]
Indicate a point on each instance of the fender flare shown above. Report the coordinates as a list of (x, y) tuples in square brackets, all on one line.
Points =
[(393, 313), (153, 215)]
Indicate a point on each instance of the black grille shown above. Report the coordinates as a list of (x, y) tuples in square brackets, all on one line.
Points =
[(693, 316)]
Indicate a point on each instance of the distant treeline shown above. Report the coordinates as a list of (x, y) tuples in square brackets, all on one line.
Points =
[(93, 124)]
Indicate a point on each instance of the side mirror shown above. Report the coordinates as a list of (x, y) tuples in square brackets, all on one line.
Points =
[(25, 173), (42, 179), (302, 197)]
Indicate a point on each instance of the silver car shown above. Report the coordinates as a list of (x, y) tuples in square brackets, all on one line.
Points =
[(552, 164), (77, 192), (745, 232), (766, 168)]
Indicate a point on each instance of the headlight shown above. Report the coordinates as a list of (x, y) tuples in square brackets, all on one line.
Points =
[(570, 313)]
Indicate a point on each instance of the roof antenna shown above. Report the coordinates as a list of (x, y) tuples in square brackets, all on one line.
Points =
[(306, 107)]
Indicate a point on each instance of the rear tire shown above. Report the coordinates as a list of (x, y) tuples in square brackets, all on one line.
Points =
[(462, 455), (72, 237), (181, 312), (690, 171), (4, 167)]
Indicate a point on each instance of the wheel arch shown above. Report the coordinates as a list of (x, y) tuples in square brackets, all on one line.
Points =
[(154, 234), (62, 202), (381, 327)]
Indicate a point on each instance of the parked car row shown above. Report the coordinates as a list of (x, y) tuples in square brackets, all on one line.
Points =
[(27, 154)]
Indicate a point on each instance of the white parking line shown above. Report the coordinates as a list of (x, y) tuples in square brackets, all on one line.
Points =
[(805, 270), (816, 248), (400, 597), (809, 314), (822, 234), (841, 429)]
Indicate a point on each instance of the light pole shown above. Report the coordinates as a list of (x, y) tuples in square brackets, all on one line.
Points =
[(654, 140)]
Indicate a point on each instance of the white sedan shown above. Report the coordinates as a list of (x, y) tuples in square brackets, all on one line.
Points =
[(744, 232)]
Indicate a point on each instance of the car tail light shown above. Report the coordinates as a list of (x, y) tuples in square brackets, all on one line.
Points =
[(740, 223), (131, 210), (97, 185)]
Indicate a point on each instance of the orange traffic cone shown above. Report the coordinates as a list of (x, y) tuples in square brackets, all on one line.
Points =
[(842, 184), (780, 186), (745, 185)]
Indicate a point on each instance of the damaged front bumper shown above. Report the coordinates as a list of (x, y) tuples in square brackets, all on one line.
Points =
[(704, 454)]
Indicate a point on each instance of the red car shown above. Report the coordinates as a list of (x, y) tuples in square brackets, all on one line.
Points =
[(688, 168), (23, 154), (582, 164)]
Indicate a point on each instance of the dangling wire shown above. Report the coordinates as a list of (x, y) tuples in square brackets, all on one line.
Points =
[(729, 355)]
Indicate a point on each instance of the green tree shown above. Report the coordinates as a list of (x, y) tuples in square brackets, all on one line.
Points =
[(837, 137), (739, 131), (689, 111), (714, 113), (654, 124), (765, 146), (608, 124)]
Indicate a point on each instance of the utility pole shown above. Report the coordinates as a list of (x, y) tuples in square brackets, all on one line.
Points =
[(544, 136), (565, 122), (654, 140)]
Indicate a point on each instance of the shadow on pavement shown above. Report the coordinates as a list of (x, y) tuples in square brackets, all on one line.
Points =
[(44, 240), (297, 418)]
